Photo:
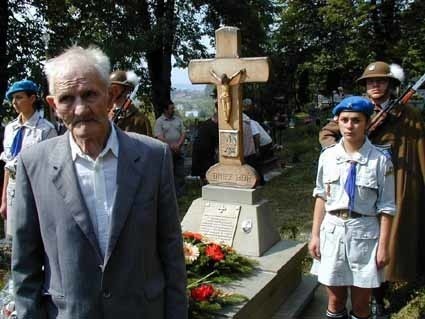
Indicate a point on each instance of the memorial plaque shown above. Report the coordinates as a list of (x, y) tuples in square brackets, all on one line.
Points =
[(219, 222), (229, 143)]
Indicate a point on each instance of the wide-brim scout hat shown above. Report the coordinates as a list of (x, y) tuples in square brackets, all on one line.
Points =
[(354, 104), (21, 86), (381, 69), (126, 78)]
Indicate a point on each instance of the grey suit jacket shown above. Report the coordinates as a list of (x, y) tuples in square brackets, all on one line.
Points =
[(56, 261)]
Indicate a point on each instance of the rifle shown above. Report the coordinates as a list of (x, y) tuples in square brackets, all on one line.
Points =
[(402, 99), (120, 110)]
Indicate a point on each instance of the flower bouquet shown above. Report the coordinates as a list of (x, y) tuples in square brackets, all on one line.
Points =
[(205, 299), (204, 256), (209, 263)]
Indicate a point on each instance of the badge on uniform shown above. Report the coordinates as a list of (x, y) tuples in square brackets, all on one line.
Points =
[(389, 171), (386, 150)]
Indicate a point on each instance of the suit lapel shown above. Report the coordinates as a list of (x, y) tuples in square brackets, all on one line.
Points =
[(128, 181), (64, 178)]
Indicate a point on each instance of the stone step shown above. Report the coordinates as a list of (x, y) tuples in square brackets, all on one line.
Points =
[(278, 275), (298, 300)]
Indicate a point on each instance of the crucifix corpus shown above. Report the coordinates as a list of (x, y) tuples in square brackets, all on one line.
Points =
[(228, 71)]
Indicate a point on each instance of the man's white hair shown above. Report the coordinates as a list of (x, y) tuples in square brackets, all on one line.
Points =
[(77, 58)]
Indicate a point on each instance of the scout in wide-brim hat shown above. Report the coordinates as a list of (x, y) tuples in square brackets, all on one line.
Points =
[(381, 69)]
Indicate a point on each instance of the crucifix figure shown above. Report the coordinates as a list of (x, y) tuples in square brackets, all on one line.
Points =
[(231, 170), (225, 84)]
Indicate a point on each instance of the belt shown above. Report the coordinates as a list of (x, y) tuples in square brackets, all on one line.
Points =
[(345, 214)]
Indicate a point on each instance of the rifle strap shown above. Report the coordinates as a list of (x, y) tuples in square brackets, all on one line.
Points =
[(381, 119)]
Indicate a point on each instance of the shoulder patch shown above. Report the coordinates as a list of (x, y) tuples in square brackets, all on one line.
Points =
[(385, 150), (389, 171)]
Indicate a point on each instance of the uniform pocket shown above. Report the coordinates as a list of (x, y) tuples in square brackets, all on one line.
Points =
[(362, 246), (331, 182), (328, 240), (367, 186)]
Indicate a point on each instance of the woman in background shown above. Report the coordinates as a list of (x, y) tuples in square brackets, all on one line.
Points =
[(27, 129)]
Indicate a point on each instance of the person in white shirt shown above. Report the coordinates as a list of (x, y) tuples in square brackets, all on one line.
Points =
[(26, 130), (353, 213)]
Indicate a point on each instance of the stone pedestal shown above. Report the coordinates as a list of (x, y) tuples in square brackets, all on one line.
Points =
[(254, 212), (278, 275)]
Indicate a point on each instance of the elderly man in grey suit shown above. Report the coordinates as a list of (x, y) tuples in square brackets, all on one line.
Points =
[(97, 233)]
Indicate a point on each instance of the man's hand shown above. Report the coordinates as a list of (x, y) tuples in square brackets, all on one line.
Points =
[(314, 247), (175, 147)]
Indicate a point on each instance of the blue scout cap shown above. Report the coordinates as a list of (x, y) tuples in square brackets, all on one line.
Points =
[(19, 86), (354, 104)]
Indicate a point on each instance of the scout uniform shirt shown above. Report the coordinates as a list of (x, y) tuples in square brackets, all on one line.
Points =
[(348, 247), (36, 129)]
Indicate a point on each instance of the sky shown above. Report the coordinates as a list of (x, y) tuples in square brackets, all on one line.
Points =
[(180, 77)]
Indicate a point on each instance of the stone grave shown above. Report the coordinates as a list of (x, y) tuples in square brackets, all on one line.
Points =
[(231, 210)]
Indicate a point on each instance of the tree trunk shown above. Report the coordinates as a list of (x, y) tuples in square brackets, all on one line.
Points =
[(4, 58), (157, 61), (159, 56)]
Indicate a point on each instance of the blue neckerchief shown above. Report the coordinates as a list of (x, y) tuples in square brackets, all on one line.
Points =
[(350, 185), (17, 142)]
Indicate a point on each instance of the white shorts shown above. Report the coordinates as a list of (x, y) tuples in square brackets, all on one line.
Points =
[(348, 252)]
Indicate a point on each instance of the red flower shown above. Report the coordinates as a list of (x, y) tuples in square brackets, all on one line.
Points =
[(190, 235), (202, 293), (214, 252)]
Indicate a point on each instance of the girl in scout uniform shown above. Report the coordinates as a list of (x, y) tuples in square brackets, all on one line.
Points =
[(353, 213), (27, 129)]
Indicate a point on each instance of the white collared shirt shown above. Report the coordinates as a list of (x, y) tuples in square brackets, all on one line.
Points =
[(36, 129), (375, 192), (98, 183)]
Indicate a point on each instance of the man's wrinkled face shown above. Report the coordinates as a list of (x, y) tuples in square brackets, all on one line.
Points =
[(82, 101), (378, 88)]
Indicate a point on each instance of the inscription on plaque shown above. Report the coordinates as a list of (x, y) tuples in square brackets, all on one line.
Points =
[(219, 222), (229, 145)]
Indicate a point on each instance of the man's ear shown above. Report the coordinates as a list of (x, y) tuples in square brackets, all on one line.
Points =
[(51, 101)]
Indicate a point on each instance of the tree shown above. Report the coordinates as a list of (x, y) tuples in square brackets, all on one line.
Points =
[(4, 60)]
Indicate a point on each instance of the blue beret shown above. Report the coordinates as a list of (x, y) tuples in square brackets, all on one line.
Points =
[(354, 104), (19, 86)]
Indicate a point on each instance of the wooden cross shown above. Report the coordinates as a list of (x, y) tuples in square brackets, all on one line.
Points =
[(228, 71)]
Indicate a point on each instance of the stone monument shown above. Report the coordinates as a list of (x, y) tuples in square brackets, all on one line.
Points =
[(231, 209)]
